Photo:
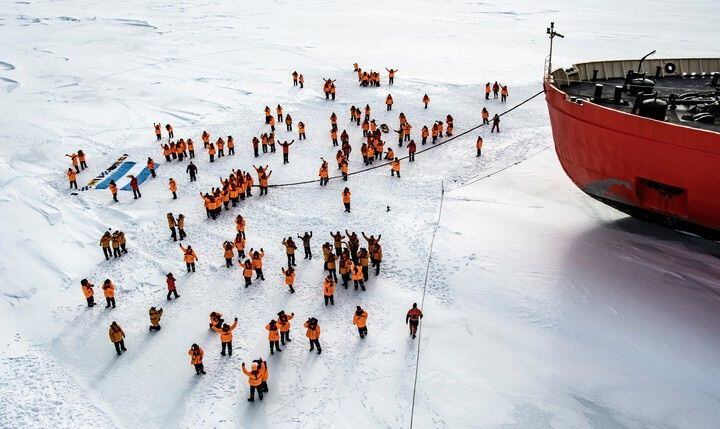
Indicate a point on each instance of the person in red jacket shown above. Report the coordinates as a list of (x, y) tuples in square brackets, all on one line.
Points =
[(412, 148), (135, 186), (170, 280), (413, 319)]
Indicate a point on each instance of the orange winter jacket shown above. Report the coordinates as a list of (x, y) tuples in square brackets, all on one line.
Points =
[(285, 327), (116, 336), (361, 320), (346, 197), (479, 143), (113, 188), (254, 376), (273, 334), (71, 175), (226, 336), (312, 334), (109, 290), (88, 291), (289, 277), (228, 252), (328, 287), (172, 185), (247, 272), (196, 356), (257, 261), (190, 256)]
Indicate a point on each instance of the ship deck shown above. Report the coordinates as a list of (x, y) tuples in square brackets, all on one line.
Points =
[(664, 86)]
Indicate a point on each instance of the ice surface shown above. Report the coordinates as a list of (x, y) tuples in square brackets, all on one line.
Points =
[(544, 308)]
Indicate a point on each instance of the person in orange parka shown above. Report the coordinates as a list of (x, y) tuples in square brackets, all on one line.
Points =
[(158, 131), (172, 185), (284, 324), (247, 272), (329, 290), (113, 190), (324, 173), (72, 178), (88, 292), (75, 161), (478, 146), (346, 199), (257, 263), (389, 102), (254, 380), (426, 100), (240, 224), (313, 334), (413, 319), (273, 336), (226, 336), (117, 337), (360, 320), (228, 253), (289, 277), (196, 359), (109, 292), (395, 167), (189, 257)]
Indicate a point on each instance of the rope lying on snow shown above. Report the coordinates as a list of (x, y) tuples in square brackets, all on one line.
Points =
[(422, 301), (387, 164)]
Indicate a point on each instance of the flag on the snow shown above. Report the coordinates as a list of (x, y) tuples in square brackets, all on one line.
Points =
[(119, 172)]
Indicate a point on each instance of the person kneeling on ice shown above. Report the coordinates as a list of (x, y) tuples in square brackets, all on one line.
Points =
[(196, 359), (226, 336), (155, 315), (413, 319), (117, 337), (284, 325), (255, 380), (273, 336), (360, 320), (313, 334)]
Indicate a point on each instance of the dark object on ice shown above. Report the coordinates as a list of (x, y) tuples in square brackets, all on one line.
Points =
[(384, 128), (388, 209)]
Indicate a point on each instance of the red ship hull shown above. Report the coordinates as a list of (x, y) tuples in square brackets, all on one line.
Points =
[(650, 169)]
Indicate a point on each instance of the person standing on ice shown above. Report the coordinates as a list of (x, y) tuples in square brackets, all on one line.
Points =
[(288, 122), (413, 319), (189, 257), (426, 100), (88, 292), (358, 277), (313, 334), (135, 186), (496, 124), (247, 272), (81, 158), (172, 290), (364, 262), (115, 243), (412, 148), (240, 247), (376, 258), (169, 129), (75, 161), (290, 248), (306, 244), (109, 292), (72, 178), (286, 151), (181, 226), (113, 190), (360, 320), (228, 253), (155, 315), (391, 75), (301, 131), (273, 336), (254, 380), (172, 185), (478, 146), (295, 78), (485, 116), (324, 173), (226, 336), (257, 263), (151, 167), (158, 131), (105, 244), (337, 241), (240, 225), (389, 102), (289, 277), (503, 93), (196, 359), (495, 89), (117, 337), (395, 167), (346, 200), (301, 81), (488, 89), (284, 324), (329, 290)]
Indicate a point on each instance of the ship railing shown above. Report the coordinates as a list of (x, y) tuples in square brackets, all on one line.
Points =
[(617, 69)]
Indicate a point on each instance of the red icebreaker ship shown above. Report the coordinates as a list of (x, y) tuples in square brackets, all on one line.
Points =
[(642, 136)]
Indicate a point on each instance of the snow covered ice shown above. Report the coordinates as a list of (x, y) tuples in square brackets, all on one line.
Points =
[(543, 309)]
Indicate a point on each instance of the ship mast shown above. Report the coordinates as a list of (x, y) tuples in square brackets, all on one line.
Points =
[(552, 33)]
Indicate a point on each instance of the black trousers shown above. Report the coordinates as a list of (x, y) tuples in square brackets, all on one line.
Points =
[(228, 346), (301, 136), (376, 264), (329, 300), (365, 272), (110, 302), (314, 344), (182, 233), (190, 266), (173, 233), (411, 156), (228, 262), (308, 252), (345, 278), (136, 193), (73, 184), (193, 177), (362, 331), (285, 158), (231, 150), (107, 252), (347, 207), (503, 98), (171, 292), (116, 252), (248, 281), (259, 274), (291, 259), (90, 301), (392, 80), (120, 345), (274, 345), (359, 283), (252, 392), (478, 152), (495, 127), (199, 369), (284, 336), (333, 273)]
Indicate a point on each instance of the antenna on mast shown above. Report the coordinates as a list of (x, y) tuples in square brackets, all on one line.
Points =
[(552, 33)]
